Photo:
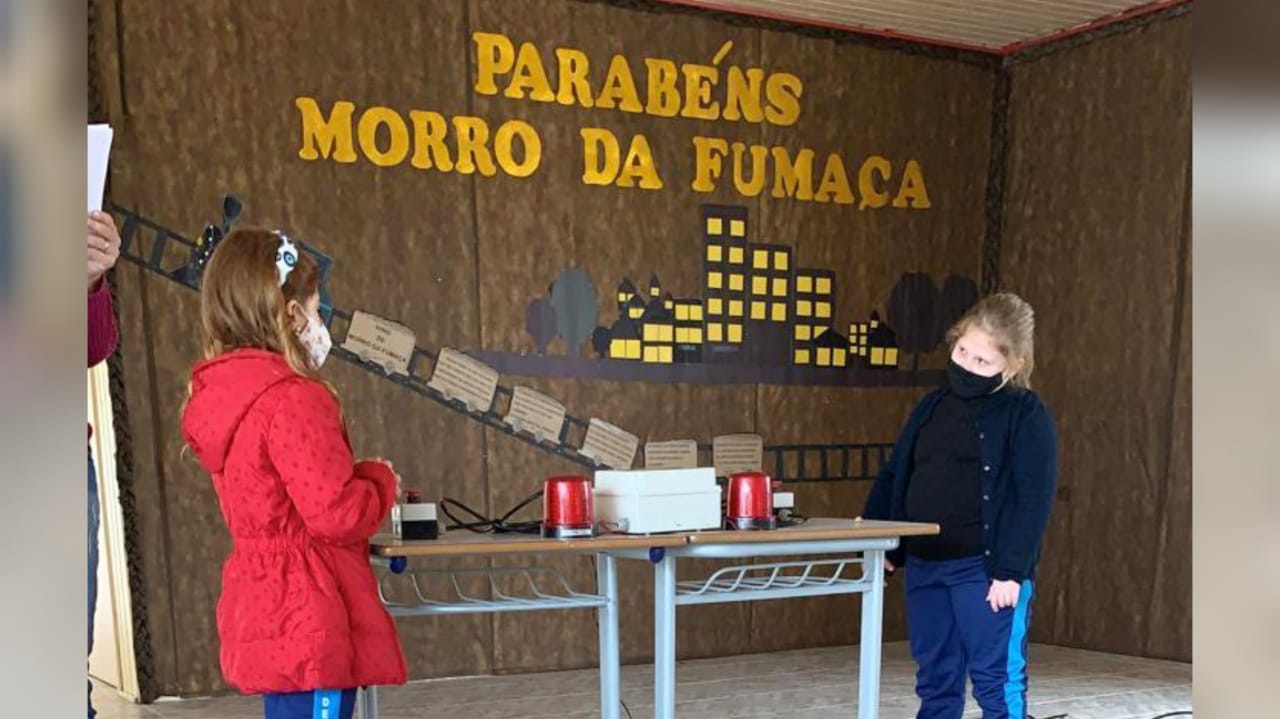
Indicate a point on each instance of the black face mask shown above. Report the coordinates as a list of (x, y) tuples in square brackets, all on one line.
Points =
[(969, 385)]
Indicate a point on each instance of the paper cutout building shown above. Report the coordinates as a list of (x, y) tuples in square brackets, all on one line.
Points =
[(756, 308)]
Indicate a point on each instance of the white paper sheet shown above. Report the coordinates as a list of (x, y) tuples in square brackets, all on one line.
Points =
[(99, 150)]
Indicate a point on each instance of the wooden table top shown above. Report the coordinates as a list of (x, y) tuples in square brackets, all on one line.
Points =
[(819, 529), (460, 542), (464, 543)]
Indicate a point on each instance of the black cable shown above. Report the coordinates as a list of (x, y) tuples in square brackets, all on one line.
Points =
[(625, 709), (1186, 713), (791, 519), (486, 525)]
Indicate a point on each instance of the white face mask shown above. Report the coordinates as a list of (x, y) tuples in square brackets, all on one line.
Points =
[(315, 337)]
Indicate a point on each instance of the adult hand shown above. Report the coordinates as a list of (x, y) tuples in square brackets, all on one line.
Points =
[(104, 245)]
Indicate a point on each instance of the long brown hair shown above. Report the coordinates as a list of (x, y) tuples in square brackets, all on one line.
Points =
[(243, 305), (1011, 321)]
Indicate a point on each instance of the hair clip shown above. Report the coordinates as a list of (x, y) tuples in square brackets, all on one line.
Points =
[(286, 257)]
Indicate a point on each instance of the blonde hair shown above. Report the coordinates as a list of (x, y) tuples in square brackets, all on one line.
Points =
[(243, 305), (1011, 321)]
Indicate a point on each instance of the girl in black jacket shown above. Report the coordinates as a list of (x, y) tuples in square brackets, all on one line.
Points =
[(978, 458)]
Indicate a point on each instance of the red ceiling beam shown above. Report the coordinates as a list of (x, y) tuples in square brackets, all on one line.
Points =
[(1101, 22), (860, 29), (908, 37)]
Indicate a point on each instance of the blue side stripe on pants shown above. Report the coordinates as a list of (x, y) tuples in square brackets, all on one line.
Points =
[(327, 704), (1015, 688)]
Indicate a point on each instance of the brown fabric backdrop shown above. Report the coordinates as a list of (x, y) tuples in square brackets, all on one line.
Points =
[(1097, 240), (201, 94)]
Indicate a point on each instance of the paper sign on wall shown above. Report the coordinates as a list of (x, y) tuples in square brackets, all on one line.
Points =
[(737, 453), (535, 413), (380, 341), (610, 445), (671, 454), (466, 379)]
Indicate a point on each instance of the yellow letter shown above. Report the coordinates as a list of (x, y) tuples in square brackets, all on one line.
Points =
[(783, 90), (572, 77), (395, 153), (835, 182), (530, 75), (699, 80), (759, 165), (912, 188), (639, 165), (708, 151), (494, 56), (326, 133), (473, 148), (593, 173), (793, 180), (872, 197), (744, 95), (429, 133), (619, 88), (664, 98), (508, 131)]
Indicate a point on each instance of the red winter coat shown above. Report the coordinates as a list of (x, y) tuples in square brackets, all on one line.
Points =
[(299, 608)]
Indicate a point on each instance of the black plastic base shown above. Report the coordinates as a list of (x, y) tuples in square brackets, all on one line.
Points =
[(567, 532), (751, 523), (424, 529)]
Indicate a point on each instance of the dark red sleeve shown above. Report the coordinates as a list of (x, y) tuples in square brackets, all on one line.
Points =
[(102, 323)]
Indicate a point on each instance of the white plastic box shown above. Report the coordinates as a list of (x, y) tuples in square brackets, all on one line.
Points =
[(649, 501)]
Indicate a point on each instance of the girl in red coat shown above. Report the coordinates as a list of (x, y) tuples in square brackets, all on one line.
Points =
[(299, 618)]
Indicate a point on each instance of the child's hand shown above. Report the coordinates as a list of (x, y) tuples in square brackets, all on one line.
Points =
[(1003, 594), (391, 467)]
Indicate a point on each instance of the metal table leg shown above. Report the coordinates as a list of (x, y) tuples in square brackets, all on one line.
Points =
[(368, 703), (869, 650), (607, 619), (664, 643)]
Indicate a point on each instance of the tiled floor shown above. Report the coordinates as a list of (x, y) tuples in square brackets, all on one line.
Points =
[(797, 685)]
